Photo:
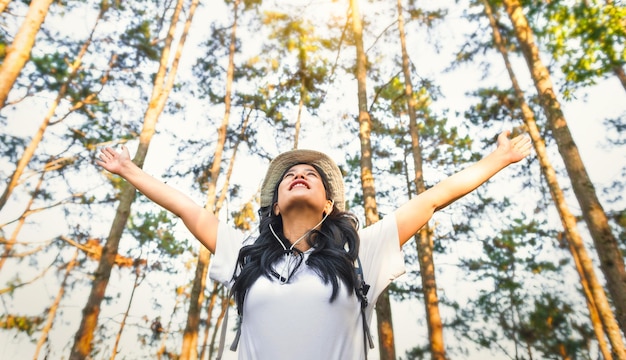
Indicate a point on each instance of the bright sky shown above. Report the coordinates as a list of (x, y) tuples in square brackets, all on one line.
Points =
[(585, 117)]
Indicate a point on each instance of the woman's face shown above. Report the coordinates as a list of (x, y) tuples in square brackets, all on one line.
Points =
[(301, 187)]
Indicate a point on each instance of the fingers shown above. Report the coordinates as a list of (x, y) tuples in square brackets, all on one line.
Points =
[(517, 140), (107, 154), (526, 146), (504, 135), (522, 145), (522, 141)]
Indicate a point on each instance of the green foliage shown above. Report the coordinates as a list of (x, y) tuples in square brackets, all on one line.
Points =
[(425, 17), (158, 229), (209, 68), (294, 65), (23, 323), (52, 71), (552, 329), (441, 144), (535, 320), (418, 353), (10, 147), (141, 39), (286, 58), (617, 130), (587, 38), (245, 217)]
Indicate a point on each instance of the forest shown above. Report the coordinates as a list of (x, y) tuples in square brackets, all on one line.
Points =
[(400, 93)]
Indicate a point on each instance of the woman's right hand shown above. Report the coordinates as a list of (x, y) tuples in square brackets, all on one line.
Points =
[(113, 161)]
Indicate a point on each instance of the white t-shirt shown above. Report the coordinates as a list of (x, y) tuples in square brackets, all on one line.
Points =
[(297, 320)]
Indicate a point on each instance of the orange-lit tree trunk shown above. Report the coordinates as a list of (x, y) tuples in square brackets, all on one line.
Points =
[(225, 301), (163, 84), (602, 317), (52, 311), (190, 337), (10, 243), (611, 259), (52, 165), (29, 152), (216, 286), (138, 277), (210, 305), (424, 238), (18, 52), (383, 305), (3, 5), (179, 294)]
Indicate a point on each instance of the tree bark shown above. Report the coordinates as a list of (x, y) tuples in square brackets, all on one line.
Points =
[(52, 311), (190, 337), (163, 84), (611, 260), (19, 51), (383, 306), (600, 312), (424, 238), (118, 338), (29, 152), (3, 5)]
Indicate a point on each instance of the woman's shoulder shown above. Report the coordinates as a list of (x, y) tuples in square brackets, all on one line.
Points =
[(383, 226)]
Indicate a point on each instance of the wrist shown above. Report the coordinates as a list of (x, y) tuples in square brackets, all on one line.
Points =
[(501, 157), (127, 168)]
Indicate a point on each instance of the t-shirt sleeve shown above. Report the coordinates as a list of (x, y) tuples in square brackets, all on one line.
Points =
[(224, 261), (381, 257)]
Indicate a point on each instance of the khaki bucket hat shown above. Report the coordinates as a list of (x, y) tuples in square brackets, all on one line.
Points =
[(284, 161)]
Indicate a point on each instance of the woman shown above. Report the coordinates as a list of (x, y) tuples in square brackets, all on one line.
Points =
[(299, 284)]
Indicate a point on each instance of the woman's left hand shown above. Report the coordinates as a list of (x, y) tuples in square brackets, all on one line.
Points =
[(514, 149)]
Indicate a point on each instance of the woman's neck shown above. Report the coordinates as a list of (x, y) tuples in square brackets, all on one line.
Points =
[(296, 229)]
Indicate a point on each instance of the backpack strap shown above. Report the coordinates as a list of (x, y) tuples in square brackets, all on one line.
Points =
[(361, 291), (233, 346)]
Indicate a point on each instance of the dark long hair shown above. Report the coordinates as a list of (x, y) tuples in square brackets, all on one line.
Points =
[(335, 247)]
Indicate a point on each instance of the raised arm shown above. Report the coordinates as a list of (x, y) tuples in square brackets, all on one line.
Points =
[(201, 222), (411, 216)]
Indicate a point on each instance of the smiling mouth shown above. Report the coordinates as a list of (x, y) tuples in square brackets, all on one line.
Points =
[(298, 184)]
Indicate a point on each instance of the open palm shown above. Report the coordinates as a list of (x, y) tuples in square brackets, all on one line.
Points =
[(517, 148), (112, 160)]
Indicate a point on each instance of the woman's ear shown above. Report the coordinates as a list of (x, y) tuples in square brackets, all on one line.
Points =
[(276, 209), (329, 206)]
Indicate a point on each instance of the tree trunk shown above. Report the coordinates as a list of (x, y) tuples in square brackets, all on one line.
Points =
[(621, 75), (162, 86), (210, 305), (29, 152), (179, 294), (19, 52), (52, 311), (383, 306), (190, 337), (602, 318), (611, 260), (138, 276), (8, 245), (225, 299), (424, 239), (3, 5)]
